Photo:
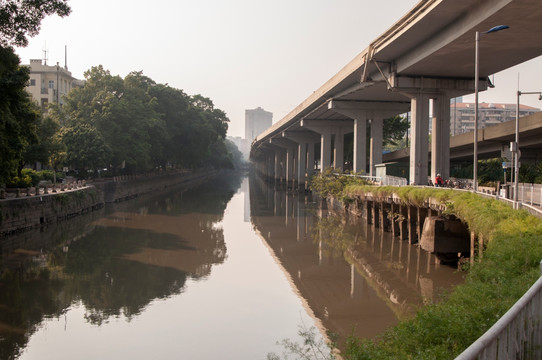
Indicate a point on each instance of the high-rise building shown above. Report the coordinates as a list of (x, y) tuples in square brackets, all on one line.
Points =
[(462, 115), (48, 84), (257, 121)]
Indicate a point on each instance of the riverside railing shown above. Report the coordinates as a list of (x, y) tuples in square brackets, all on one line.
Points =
[(383, 180), (516, 335)]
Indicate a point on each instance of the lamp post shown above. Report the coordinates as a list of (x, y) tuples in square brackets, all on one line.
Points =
[(476, 79), (515, 146)]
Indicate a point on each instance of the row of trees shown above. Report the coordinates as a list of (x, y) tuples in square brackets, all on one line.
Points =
[(127, 125), (137, 125)]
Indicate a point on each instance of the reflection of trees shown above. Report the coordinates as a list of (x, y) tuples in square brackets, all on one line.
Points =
[(333, 232), (117, 265), (109, 285)]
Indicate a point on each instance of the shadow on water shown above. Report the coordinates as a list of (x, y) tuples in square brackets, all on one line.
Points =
[(354, 278), (114, 262)]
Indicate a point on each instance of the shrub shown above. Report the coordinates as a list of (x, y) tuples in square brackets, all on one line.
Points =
[(20, 182)]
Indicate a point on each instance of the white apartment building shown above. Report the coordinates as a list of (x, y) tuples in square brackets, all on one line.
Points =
[(462, 115), (48, 84)]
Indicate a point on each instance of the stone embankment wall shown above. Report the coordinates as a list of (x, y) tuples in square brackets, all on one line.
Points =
[(423, 224), (24, 213), (27, 212)]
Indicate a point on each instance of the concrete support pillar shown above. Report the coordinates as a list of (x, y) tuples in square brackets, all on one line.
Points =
[(288, 150), (290, 165), (338, 150), (310, 158), (419, 148), (376, 144), (303, 145), (270, 165), (327, 129), (360, 151), (325, 151), (276, 172), (440, 135), (301, 164)]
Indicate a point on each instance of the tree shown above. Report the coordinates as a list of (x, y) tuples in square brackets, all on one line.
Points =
[(123, 113), (22, 18), (42, 149), (19, 117), (86, 147), (394, 129)]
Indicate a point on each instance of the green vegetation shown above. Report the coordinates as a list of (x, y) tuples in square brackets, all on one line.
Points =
[(510, 265), (331, 183), (136, 125), (20, 19)]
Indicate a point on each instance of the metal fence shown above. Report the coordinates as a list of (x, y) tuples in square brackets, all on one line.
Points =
[(528, 193), (516, 335)]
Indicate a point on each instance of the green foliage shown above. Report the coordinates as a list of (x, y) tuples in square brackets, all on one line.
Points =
[(331, 183), (134, 124), (18, 114), (510, 265), (312, 348), (19, 19), (394, 130), (20, 182), (86, 148)]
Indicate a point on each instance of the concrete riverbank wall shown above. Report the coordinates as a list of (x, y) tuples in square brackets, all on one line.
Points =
[(425, 224), (28, 212)]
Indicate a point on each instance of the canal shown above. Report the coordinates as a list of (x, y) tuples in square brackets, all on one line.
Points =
[(223, 270)]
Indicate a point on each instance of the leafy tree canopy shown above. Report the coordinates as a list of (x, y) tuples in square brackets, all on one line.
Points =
[(19, 116), (20, 19), (146, 125)]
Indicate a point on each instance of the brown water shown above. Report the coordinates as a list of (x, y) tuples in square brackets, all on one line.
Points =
[(216, 272)]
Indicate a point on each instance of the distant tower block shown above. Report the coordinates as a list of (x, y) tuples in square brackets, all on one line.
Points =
[(257, 121)]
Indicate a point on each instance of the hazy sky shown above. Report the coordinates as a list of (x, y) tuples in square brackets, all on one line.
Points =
[(240, 53)]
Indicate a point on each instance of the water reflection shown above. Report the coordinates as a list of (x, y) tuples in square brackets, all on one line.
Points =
[(353, 277), (114, 262)]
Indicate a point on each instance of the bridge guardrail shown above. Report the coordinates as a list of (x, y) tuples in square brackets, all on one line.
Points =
[(516, 335)]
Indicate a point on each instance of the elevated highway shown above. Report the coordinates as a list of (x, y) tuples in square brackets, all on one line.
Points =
[(428, 56)]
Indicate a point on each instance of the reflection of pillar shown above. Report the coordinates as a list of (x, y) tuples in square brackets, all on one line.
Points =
[(412, 238), (276, 207), (376, 145), (418, 251), (440, 138), (408, 263), (352, 274), (392, 248), (419, 148)]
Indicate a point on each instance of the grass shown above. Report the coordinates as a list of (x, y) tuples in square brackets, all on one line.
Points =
[(509, 267)]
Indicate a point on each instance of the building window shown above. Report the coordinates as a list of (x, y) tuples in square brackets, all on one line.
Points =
[(32, 82), (51, 84)]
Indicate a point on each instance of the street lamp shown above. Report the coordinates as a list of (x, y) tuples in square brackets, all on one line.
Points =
[(515, 146), (476, 79)]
